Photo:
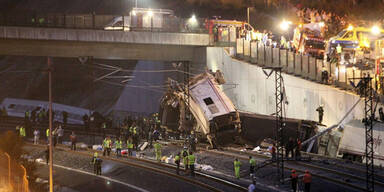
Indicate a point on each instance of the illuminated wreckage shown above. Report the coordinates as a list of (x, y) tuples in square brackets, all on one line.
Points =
[(211, 115)]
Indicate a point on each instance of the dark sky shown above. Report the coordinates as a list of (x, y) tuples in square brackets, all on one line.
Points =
[(184, 8)]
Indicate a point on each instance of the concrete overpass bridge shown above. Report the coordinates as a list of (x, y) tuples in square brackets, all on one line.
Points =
[(129, 45)]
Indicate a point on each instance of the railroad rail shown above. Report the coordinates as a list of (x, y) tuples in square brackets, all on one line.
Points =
[(206, 181), (301, 167)]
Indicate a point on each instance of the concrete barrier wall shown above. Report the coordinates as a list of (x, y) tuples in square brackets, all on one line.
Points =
[(143, 37), (250, 90)]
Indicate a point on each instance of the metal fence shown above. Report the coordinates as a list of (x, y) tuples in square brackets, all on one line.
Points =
[(305, 66), (99, 22), (13, 176)]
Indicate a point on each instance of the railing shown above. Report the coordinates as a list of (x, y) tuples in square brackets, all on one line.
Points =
[(305, 66), (100, 22), (13, 176)]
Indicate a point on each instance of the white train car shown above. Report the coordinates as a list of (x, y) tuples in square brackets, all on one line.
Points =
[(352, 143)]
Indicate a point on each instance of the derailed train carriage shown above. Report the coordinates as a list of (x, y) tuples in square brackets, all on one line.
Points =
[(215, 118), (210, 114)]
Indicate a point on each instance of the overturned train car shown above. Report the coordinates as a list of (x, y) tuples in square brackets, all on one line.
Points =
[(210, 114)]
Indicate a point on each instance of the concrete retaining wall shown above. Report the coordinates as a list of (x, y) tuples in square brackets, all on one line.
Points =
[(251, 91)]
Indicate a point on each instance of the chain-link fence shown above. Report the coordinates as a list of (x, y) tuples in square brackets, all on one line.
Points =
[(13, 176)]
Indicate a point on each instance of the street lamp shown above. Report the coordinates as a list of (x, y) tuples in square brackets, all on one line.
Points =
[(375, 30), (285, 25)]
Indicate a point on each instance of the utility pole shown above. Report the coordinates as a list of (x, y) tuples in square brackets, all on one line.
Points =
[(248, 15), (279, 131), (367, 92), (50, 126), (369, 117)]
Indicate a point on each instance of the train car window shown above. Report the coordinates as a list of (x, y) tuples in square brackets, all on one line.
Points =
[(208, 101)]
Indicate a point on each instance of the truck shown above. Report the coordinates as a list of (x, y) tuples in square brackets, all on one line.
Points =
[(143, 19), (308, 39)]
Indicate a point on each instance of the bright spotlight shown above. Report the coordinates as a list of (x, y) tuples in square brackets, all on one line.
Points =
[(375, 30), (150, 13), (285, 25), (193, 19), (350, 28), (321, 24), (133, 13)]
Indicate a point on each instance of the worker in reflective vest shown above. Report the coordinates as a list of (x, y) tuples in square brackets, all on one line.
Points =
[(47, 134), (95, 156), (158, 151), (129, 146), (294, 180), (107, 146), (185, 154), (307, 179), (22, 132), (118, 145), (191, 163), (236, 165), (252, 165)]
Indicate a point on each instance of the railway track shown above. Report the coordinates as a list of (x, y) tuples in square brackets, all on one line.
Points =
[(209, 182), (335, 175)]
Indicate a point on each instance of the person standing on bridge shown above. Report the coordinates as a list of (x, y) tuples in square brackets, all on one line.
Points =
[(237, 165), (252, 165), (320, 110), (158, 151), (307, 179), (294, 178)]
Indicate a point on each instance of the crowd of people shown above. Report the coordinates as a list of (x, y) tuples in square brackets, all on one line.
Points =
[(333, 23)]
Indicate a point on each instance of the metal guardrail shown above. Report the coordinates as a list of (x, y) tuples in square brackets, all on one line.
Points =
[(305, 66), (99, 22)]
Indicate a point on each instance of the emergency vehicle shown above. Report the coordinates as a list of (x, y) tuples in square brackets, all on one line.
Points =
[(141, 18), (308, 39)]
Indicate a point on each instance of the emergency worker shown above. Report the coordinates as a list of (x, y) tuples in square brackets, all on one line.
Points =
[(307, 179), (185, 154), (129, 146), (237, 165), (191, 163), (320, 110), (118, 145), (107, 146), (252, 165), (22, 132), (158, 151), (177, 161)]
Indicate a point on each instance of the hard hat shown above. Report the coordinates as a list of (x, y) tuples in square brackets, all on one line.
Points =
[(306, 171), (293, 171)]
